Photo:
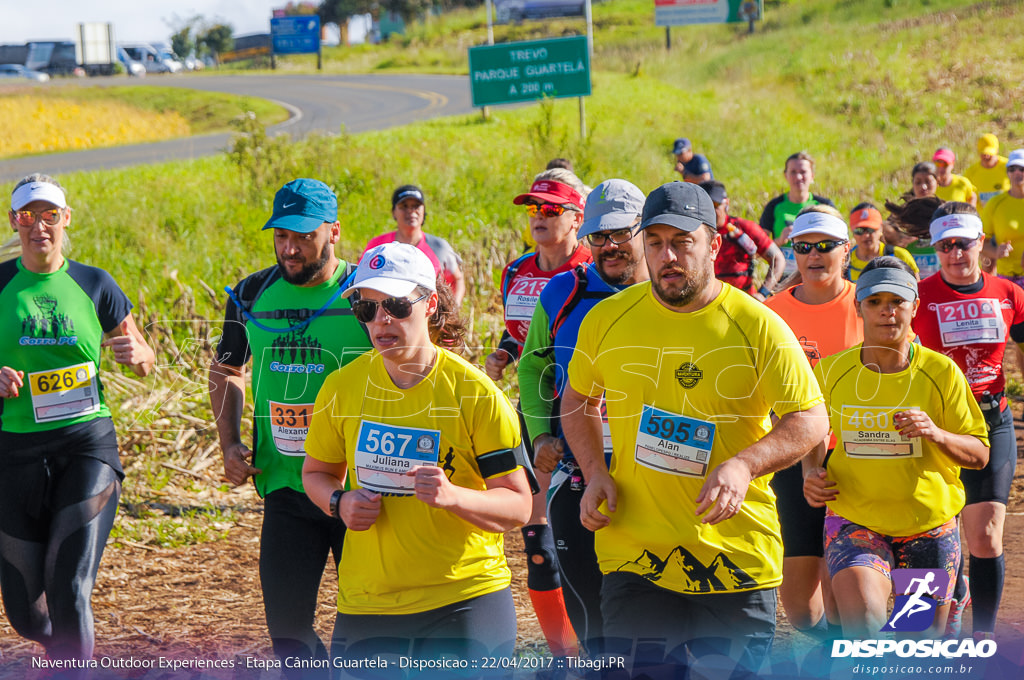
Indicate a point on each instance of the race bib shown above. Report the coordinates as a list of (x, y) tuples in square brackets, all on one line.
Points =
[(869, 433), (523, 295), (384, 453), (672, 443), (63, 393), (965, 322), (927, 264), (289, 425), (790, 257)]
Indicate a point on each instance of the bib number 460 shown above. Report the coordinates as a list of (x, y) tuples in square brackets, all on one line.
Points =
[(869, 420)]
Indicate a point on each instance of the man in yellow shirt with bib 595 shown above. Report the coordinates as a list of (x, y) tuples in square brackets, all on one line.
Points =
[(687, 531)]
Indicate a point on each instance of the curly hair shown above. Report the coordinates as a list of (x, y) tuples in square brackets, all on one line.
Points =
[(447, 328), (914, 216)]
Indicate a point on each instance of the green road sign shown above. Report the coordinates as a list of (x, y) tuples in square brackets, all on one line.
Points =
[(524, 71)]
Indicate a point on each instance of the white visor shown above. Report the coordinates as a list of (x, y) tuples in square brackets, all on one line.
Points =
[(38, 191)]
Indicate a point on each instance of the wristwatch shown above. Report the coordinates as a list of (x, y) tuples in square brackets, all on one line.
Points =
[(334, 503), (765, 292)]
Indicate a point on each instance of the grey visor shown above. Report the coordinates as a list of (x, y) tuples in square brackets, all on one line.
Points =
[(887, 280)]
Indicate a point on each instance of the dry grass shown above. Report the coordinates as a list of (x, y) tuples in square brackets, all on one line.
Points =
[(36, 125)]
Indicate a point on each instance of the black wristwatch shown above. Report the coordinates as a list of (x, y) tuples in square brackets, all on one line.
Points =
[(335, 502)]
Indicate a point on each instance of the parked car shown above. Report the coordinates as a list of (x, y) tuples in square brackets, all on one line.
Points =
[(151, 59), (173, 62), (19, 71), (55, 57), (507, 11), (134, 67)]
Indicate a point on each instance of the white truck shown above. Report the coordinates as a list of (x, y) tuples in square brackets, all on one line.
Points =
[(95, 48)]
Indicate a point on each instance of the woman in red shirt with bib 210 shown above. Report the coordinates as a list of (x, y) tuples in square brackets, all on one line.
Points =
[(969, 316)]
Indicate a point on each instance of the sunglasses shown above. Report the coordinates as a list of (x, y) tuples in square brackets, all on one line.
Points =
[(545, 209), (395, 307), (947, 245), (821, 246), (861, 231), (617, 237), (28, 218)]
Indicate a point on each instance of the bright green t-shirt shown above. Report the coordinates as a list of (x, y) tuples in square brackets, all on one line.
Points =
[(290, 363), (54, 324)]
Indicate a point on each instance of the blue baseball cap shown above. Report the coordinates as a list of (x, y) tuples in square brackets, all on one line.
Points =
[(303, 205), (680, 145)]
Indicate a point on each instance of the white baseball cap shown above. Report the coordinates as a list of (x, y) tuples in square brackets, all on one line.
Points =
[(394, 269)]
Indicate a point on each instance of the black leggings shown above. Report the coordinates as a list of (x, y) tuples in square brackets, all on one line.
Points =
[(56, 513), (577, 560), (296, 539), (473, 630)]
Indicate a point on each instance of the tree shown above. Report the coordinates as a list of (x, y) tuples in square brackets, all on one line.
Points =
[(217, 39), (185, 32), (182, 42), (407, 9), (338, 11)]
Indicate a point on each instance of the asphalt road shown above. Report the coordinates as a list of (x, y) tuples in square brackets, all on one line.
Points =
[(322, 103)]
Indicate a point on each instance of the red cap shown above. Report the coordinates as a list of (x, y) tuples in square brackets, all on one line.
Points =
[(866, 217), (550, 191), (945, 155)]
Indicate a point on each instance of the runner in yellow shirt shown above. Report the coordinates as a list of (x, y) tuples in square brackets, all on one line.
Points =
[(905, 422), (866, 227), (988, 175), (952, 187), (427, 447), (1003, 220), (687, 529)]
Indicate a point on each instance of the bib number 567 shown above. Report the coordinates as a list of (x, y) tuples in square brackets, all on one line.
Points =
[(385, 442)]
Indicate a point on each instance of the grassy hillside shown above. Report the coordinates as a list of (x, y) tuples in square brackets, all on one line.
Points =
[(868, 88)]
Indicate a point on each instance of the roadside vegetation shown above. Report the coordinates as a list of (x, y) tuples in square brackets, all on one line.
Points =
[(868, 88), (46, 118)]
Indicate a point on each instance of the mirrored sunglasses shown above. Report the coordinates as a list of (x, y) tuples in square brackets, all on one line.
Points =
[(28, 218), (947, 245), (545, 209), (821, 246)]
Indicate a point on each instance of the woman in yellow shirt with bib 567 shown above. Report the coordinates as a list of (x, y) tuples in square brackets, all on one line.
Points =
[(429, 448)]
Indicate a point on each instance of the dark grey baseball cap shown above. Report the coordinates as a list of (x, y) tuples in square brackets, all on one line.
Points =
[(613, 205), (681, 205)]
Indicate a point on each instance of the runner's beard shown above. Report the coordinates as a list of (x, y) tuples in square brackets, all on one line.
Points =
[(693, 282), (627, 273), (309, 271)]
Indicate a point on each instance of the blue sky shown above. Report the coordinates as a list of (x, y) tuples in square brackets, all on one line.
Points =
[(136, 21)]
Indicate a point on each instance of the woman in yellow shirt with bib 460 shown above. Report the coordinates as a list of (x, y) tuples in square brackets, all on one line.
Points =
[(905, 423)]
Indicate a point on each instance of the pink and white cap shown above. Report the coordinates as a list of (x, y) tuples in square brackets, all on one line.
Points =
[(956, 226), (394, 269)]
